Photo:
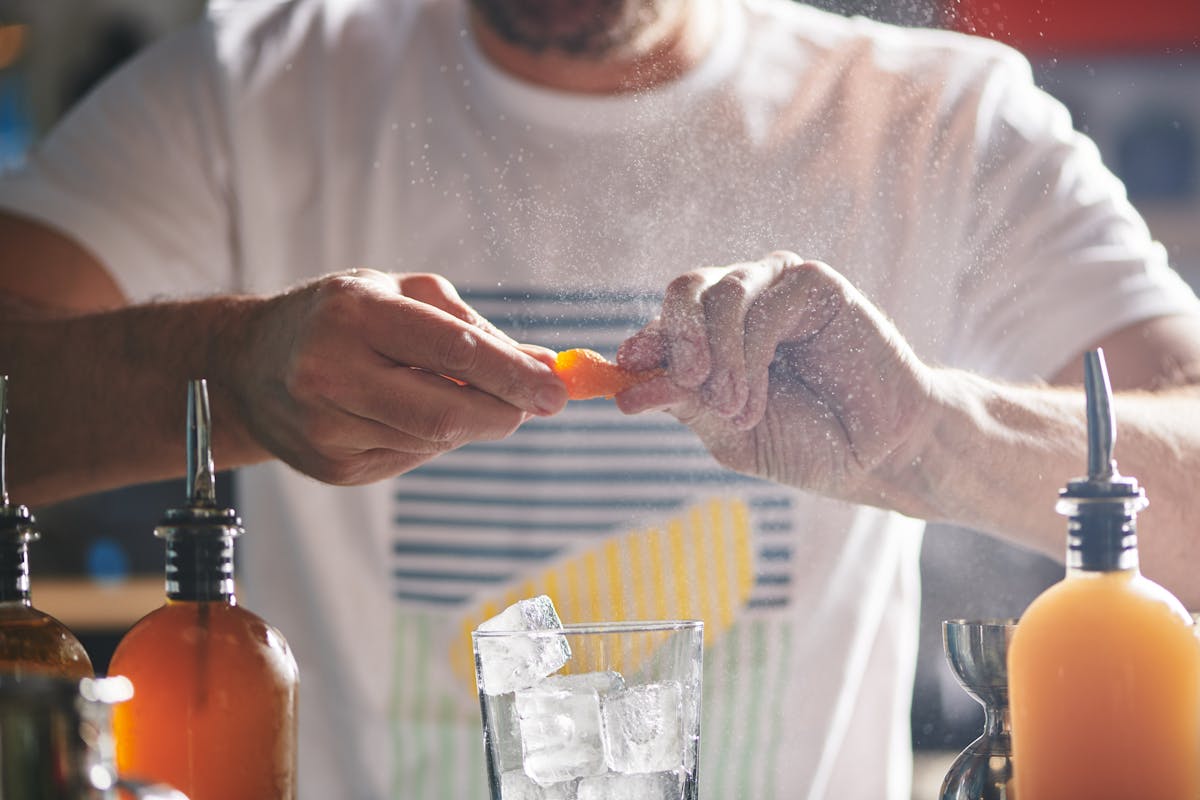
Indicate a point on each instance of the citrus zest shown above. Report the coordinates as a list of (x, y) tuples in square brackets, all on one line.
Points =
[(588, 374)]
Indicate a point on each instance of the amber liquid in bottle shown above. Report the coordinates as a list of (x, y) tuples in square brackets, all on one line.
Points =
[(31, 641), (214, 706), (213, 712)]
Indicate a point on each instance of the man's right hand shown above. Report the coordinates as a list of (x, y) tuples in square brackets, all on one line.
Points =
[(350, 378), (359, 376)]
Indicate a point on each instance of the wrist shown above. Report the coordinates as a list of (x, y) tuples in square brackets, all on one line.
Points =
[(982, 443), (225, 360)]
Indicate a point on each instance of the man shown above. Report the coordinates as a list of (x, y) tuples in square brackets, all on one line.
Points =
[(560, 163)]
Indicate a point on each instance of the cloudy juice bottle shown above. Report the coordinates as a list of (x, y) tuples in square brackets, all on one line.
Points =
[(1104, 667)]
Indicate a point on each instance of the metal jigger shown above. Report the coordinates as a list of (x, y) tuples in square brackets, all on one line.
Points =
[(977, 651)]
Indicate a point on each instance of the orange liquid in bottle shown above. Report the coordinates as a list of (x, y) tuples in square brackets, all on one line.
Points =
[(1104, 667), (1104, 692), (214, 706)]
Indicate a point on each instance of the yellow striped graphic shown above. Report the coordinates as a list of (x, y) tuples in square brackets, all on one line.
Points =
[(697, 564)]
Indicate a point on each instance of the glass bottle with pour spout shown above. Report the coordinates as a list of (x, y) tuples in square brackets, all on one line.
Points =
[(215, 687), (31, 641), (1104, 667)]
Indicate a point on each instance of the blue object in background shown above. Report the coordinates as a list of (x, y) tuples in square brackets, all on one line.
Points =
[(107, 561), (1157, 155), (16, 124)]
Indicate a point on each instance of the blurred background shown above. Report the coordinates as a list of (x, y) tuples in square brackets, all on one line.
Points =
[(1129, 74)]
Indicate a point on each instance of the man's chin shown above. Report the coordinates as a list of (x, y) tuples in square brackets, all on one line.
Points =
[(582, 28)]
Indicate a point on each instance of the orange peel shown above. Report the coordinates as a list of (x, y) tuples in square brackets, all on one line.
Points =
[(588, 374)]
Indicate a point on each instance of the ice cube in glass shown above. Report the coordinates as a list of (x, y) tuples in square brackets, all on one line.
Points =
[(643, 728), (516, 785), (509, 663), (648, 786), (560, 733)]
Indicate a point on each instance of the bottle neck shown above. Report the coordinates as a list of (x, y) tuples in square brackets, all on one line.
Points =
[(1101, 537), (200, 567), (14, 572)]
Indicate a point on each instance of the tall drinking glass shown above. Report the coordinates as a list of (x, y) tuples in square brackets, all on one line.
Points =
[(619, 719)]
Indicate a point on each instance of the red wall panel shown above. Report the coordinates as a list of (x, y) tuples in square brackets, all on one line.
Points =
[(1053, 27)]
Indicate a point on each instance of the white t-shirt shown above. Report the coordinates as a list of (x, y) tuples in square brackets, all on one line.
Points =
[(282, 140)]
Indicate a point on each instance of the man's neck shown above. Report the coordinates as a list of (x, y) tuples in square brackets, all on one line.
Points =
[(663, 52)]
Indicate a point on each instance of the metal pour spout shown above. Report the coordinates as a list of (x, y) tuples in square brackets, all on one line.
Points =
[(1101, 423), (14, 519), (1103, 505), (201, 474), (4, 440), (201, 511)]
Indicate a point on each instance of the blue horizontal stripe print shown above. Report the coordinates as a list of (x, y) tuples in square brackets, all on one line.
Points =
[(588, 476), (464, 577), (512, 501), (427, 597), (617, 426), (593, 452), (581, 297), (515, 552), (474, 523), (417, 520)]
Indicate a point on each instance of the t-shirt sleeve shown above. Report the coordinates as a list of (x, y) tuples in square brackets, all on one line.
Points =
[(137, 173), (1057, 256)]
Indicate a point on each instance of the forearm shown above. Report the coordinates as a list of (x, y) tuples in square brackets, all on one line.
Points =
[(994, 457), (97, 400)]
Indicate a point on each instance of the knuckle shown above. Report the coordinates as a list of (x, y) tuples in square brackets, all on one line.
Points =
[(307, 377), (448, 427), (685, 283), (504, 427), (428, 284), (339, 472), (338, 300), (460, 351), (802, 270), (424, 280), (732, 289), (784, 257), (315, 429)]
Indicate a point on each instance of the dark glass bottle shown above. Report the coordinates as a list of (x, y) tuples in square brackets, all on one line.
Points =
[(215, 687), (31, 641)]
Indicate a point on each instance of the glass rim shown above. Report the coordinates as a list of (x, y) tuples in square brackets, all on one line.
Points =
[(983, 622), (594, 628)]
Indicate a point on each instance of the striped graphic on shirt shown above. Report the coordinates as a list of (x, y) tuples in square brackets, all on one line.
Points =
[(475, 523)]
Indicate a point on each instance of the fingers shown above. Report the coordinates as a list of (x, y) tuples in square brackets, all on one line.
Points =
[(438, 292), (430, 327), (355, 377), (363, 427), (720, 330), (726, 306), (799, 303), (684, 327)]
